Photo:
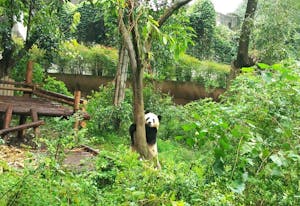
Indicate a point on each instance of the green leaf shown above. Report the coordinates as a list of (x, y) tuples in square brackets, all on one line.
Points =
[(190, 141), (247, 69), (165, 40), (277, 159), (263, 66), (189, 127), (218, 166), (178, 138), (276, 171), (237, 187), (247, 147)]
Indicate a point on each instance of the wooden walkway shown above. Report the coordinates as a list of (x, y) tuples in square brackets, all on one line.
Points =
[(35, 102)]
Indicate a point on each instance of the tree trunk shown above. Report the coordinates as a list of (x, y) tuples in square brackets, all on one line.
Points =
[(121, 76), (138, 60), (139, 113), (243, 59), (137, 85)]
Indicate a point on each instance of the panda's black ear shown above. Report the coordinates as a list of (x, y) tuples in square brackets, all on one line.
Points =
[(159, 117), (147, 111)]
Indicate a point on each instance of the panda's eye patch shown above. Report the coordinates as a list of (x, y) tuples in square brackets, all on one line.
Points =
[(149, 119)]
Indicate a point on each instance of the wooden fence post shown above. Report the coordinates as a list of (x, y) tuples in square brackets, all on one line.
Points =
[(7, 118), (77, 96), (28, 80)]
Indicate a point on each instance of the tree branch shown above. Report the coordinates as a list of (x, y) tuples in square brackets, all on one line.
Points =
[(126, 38), (171, 10)]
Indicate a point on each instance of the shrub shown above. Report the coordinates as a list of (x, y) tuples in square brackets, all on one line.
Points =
[(188, 68), (107, 118), (77, 58), (51, 84), (19, 72), (252, 136)]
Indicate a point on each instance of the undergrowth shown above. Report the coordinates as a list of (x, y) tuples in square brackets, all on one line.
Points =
[(242, 151)]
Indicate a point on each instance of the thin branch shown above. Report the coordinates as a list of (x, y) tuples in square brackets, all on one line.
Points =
[(171, 10), (126, 39), (236, 157)]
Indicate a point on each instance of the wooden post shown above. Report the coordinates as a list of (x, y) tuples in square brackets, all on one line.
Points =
[(28, 80), (7, 118), (83, 109), (21, 132), (35, 118), (29, 72), (77, 96)]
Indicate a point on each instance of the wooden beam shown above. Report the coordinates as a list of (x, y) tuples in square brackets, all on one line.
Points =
[(22, 127), (22, 106), (58, 95), (54, 98), (22, 84), (16, 89), (7, 118), (28, 79)]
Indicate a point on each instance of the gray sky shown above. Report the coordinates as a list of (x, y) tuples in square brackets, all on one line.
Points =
[(226, 6)]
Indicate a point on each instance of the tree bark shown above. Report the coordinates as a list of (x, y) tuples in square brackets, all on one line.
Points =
[(121, 76), (243, 59)]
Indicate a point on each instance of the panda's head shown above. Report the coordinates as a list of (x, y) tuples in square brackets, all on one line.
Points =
[(152, 120)]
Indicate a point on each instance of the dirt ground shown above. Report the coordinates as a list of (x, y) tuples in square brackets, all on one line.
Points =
[(77, 158)]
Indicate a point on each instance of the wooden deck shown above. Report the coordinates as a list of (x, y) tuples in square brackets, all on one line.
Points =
[(22, 105), (35, 102)]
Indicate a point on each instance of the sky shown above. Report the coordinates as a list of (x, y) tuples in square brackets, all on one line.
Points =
[(226, 6)]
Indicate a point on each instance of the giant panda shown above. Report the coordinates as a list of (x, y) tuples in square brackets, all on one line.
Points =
[(152, 122)]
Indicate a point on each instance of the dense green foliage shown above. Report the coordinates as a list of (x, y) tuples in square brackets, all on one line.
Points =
[(203, 20), (284, 43), (77, 58), (242, 151)]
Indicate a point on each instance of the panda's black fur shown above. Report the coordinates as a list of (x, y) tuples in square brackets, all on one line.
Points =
[(151, 131)]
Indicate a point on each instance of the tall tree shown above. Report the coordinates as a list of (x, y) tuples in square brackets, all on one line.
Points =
[(243, 58), (203, 20), (138, 45), (276, 37), (40, 19)]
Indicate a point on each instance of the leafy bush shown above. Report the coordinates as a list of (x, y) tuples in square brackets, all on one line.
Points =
[(107, 118), (51, 84), (45, 185), (225, 44), (188, 68), (19, 72), (77, 58), (253, 135)]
